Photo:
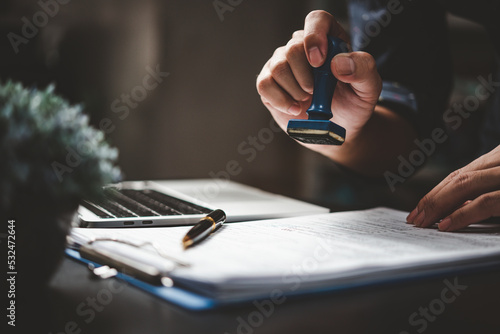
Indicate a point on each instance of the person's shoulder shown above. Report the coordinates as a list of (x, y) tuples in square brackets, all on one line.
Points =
[(479, 11)]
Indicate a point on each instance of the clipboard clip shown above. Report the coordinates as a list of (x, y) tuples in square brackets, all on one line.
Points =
[(102, 272), (132, 259)]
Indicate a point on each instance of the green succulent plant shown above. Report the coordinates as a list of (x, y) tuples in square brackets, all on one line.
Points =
[(48, 151)]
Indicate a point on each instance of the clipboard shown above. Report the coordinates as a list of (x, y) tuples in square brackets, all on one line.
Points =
[(194, 301), (175, 295), (199, 287)]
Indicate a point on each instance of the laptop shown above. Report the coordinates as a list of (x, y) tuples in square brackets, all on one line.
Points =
[(185, 202)]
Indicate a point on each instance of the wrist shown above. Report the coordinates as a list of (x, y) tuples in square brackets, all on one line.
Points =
[(373, 147)]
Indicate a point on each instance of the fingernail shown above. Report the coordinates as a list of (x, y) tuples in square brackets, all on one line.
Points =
[(344, 65), (412, 215), (294, 109), (444, 225), (315, 56), (420, 218)]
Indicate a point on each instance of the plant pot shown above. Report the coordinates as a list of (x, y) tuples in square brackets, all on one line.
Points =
[(40, 239)]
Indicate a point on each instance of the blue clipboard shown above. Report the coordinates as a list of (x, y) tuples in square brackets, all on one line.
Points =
[(175, 295), (196, 302)]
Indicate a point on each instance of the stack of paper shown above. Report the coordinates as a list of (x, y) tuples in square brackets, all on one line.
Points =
[(311, 253)]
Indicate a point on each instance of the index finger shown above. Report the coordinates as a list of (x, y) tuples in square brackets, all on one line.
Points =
[(484, 162), (468, 186), (317, 26)]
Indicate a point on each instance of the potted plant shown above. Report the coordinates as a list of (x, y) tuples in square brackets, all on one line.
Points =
[(50, 159)]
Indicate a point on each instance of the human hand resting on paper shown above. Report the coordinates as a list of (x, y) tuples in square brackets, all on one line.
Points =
[(467, 196), (285, 83)]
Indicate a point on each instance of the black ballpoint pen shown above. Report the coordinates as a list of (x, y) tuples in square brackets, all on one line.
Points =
[(204, 227)]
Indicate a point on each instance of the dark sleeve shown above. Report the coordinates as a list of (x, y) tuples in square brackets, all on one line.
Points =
[(486, 13), (408, 40)]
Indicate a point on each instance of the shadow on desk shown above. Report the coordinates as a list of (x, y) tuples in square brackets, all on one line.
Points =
[(463, 304)]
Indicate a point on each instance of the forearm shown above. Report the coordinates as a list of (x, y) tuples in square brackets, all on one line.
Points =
[(375, 148)]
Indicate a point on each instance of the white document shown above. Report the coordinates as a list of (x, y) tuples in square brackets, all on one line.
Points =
[(253, 258)]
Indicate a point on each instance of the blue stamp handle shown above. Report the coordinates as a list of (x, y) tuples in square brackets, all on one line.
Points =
[(325, 82)]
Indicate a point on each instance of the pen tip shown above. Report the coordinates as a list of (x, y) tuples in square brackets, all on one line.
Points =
[(186, 242)]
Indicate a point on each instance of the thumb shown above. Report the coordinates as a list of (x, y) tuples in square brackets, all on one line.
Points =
[(360, 71), (317, 26)]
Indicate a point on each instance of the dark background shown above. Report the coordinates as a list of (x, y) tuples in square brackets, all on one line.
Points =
[(192, 124)]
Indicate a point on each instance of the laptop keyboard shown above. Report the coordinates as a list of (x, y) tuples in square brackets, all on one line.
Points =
[(125, 203)]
